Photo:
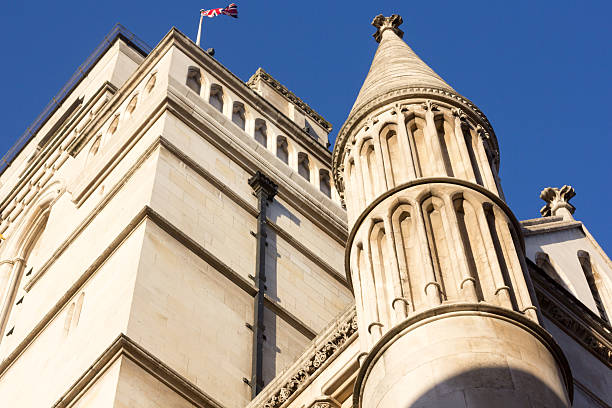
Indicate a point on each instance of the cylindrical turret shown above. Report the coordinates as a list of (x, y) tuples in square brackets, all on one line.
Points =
[(435, 256)]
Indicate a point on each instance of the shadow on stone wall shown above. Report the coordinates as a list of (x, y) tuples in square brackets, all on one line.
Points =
[(483, 387)]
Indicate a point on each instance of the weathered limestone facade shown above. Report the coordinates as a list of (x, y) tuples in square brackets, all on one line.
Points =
[(176, 237)]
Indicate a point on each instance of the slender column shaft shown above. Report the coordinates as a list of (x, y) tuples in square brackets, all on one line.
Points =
[(487, 171), (433, 140), (432, 292), (404, 142), (502, 294), (463, 150), (466, 281)]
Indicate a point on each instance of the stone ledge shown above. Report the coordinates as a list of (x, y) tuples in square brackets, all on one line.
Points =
[(123, 346)]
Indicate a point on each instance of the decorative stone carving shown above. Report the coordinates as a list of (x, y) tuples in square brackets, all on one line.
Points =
[(313, 364), (430, 106), (578, 330), (324, 402), (459, 113), (557, 201), (484, 135), (383, 23)]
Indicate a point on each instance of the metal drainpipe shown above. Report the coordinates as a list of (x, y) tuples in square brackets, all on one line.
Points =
[(265, 190)]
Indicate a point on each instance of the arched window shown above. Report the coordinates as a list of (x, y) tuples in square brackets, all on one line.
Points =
[(324, 182), (194, 79), (216, 97), (238, 115), (33, 253), (151, 83), (594, 281), (132, 105), (282, 149), (304, 165), (261, 133)]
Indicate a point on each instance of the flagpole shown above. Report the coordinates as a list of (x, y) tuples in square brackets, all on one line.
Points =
[(199, 29)]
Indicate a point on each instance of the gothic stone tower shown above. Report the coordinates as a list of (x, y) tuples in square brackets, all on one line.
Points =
[(446, 310)]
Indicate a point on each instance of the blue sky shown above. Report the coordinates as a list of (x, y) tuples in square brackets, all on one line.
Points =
[(539, 70)]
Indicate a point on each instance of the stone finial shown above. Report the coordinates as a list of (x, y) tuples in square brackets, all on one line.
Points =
[(557, 201), (383, 23)]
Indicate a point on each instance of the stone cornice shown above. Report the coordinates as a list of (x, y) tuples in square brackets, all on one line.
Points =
[(571, 316), (124, 346), (288, 95), (325, 348), (365, 109), (547, 225)]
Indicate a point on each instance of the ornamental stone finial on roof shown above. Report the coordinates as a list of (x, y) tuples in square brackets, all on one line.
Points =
[(557, 202), (383, 23)]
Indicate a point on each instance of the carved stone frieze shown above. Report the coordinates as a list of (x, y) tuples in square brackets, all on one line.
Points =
[(575, 328), (313, 364)]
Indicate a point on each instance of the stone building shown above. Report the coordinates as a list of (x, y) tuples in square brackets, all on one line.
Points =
[(176, 237)]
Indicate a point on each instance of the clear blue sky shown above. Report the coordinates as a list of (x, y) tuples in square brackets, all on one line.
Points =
[(540, 70)]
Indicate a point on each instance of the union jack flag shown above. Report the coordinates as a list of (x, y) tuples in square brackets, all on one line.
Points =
[(231, 10)]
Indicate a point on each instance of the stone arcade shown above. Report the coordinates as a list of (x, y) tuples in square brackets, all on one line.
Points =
[(176, 237)]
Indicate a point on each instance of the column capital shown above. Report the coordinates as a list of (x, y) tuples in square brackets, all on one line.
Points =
[(263, 184), (557, 201), (383, 23)]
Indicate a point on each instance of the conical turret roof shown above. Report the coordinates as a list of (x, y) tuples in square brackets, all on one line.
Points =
[(395, 65)]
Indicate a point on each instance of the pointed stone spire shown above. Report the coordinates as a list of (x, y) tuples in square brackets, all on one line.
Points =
[(395, 65)]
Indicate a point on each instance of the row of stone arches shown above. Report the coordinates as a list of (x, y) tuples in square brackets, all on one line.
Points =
[(405, 144), (435, 246), (281, 146)]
